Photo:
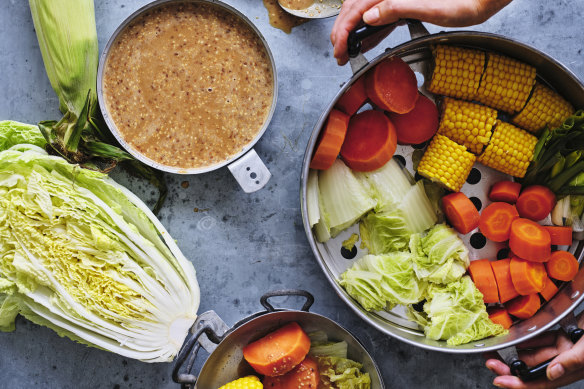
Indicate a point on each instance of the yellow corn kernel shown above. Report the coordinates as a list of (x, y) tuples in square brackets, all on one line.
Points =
[(446, 162), (467, 123), (510, 150), (249, 382), (544, 108), (457, 71), (506, 83)]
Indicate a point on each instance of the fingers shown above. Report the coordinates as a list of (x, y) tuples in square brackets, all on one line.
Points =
[(571, 360), (498, 367)]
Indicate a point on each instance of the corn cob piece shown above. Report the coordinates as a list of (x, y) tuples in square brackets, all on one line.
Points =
[(457, 71), (446, 162), (544, 108), (249, 382), (506, 83), (467, 124), (510, 150)]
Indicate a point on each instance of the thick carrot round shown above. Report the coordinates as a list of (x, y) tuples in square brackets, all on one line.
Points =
[(523, 307), (495, 221), (418, 125), (503, 277), (460, 212), (528, 277), (549, 290), (529, 240), (562, 266), (392, 85), (353, 98), (561, 236), (500, 316), (535, 202), (506, 191), (331, 140), (370, 141), (278, 352), (482, 275)]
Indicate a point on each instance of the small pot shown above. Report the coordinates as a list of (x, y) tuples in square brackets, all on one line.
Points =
[(245, 166), (417, 53), (225, 345)]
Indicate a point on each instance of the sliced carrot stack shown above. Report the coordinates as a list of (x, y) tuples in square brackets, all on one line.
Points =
[(392, 85), (502, 272), (331, 140), (482, 275)]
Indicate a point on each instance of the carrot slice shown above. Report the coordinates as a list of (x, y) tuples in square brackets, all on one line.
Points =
[(392, 85), (549, 290), (305, 375), (561, 236), (370, 141), (278, 352), (482, 275), (460, 212), (506, 191), (529, 240), (500, 316), (503, 277), (331, 140), (523, 307), (495, 221), (562, 266), (353, 98), (418, 125), (535, 202), (528, 277)]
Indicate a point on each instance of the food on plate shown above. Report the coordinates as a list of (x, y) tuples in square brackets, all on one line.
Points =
[(331, 140), (460, 212), (192, 101), (391, 85), (529, 240), (304, 375), (545, 108), (500, 316), (506, 191), (353, 98), (502, 273), (278, 352), (561, 236), (418, 125), (549, 290), (482, 275), (495, 221), (457, 71), (523, 307), (248, 382), (510, 150), (446, 163), (370, 141), (467, 124), (505, 83), (377, 282), (562, 266), (528, 277), (535, 202), (85, 257)]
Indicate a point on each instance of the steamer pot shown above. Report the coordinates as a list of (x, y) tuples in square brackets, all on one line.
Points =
[(417, 54), (246, 166), (225, 362)]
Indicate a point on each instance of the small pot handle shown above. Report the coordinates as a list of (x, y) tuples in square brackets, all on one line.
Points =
[(520, 369), (250, 172), (287, 292)]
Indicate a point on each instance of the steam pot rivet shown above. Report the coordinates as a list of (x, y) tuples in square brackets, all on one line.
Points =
[(574, 295)]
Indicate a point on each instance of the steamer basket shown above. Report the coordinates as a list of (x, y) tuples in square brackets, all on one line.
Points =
[(418, 55)]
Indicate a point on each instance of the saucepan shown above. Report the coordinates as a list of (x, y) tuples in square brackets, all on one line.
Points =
[(333, 259), (245, 164), (225, 344)]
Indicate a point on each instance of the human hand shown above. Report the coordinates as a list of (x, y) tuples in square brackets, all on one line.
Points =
[(565, 368), (452, 13)]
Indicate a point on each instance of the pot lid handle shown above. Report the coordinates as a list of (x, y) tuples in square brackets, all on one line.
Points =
[(287, 292)]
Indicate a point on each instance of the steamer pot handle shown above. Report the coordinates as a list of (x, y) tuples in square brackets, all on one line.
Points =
[(287, 292), (520, 369), (190, 350)]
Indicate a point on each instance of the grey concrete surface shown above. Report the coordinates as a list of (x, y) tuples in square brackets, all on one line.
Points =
[(243, 245)]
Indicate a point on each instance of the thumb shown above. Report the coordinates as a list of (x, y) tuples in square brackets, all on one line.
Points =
[(566, 362)]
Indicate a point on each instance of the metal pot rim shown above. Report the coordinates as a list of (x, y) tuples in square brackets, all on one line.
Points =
[(111, 124)]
